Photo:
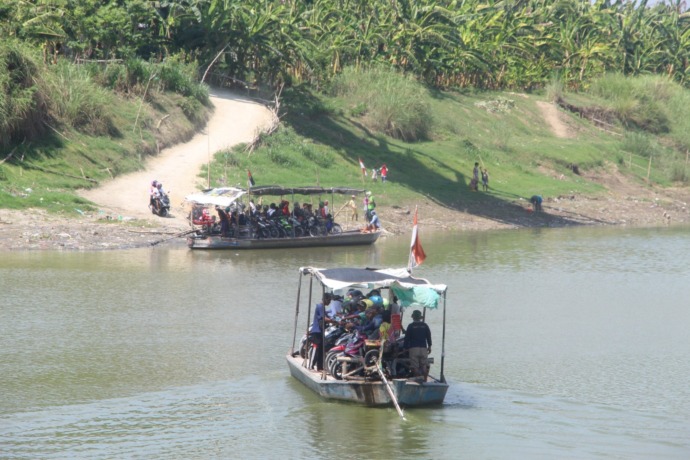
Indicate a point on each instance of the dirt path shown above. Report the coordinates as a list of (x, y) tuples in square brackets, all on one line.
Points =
[(553, 117), (235, 119)]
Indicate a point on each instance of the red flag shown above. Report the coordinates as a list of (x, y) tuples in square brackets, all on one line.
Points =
[(417, 255), (364, 169), (250, 178)]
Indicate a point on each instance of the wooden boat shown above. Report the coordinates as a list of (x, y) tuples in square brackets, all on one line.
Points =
[(347, 238), (412, 293), (204, 238)]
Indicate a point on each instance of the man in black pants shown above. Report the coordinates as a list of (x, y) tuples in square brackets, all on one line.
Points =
[(316, 330), (418, 344)]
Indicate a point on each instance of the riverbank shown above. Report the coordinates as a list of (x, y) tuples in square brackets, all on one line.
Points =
[(37, 230)]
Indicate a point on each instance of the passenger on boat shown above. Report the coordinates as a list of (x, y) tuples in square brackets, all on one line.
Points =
[(316, 330), (418, 343), (336, 307), (224, 221), (272, 209), (285, 207), (372, 323)]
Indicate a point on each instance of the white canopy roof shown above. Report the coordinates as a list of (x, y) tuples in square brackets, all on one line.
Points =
[(223, 196)]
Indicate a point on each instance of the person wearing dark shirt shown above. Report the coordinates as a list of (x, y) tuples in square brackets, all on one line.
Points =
[(418, 343)]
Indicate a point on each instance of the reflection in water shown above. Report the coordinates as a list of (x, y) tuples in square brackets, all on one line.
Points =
[(561, 343)]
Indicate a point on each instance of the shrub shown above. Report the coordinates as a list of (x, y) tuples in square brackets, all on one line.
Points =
[(389, 101), (22, 110), (76, 100)]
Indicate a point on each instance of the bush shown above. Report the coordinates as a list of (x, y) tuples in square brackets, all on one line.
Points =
[(76, 100), (390, 102), (22, 110)]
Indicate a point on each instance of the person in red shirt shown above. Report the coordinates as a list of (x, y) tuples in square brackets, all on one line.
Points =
[(384, 172)]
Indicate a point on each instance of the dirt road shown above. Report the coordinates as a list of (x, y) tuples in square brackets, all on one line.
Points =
[(235, 119)]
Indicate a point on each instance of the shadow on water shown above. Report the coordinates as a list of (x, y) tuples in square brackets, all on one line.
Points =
[(448, 190)]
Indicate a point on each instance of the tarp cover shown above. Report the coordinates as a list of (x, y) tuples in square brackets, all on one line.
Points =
[(411, 291), (223, 196)]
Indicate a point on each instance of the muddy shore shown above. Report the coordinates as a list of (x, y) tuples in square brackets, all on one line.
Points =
[(37, 230)]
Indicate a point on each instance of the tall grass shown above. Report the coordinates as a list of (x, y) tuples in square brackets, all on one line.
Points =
[(387, 101), (76, 100), (21, 104)]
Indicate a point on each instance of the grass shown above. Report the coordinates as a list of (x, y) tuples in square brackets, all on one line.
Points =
[(322, 138)]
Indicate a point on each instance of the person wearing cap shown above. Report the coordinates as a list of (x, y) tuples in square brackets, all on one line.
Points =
[(353, 206), (418, 343)]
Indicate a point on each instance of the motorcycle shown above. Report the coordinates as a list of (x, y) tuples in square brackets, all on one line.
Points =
[(161, 205), (332, 336), (358, 359)]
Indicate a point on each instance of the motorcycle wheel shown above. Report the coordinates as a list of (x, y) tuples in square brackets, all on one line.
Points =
[(263, 233), (273, 232), (314, 231), (371, 357), (336, 229), (330, 358), (336, 370), (299, 231)]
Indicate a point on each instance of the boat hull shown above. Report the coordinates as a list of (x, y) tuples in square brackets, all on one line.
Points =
[(351, 238), (369, 393)]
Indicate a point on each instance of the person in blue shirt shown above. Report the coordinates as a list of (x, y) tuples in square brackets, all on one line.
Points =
[(316, 329), (418, 343)]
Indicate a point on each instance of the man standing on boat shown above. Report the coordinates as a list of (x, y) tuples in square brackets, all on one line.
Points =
[(316, 330), (418, 344)]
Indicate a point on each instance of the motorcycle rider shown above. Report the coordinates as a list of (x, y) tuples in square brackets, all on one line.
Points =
[(152, 192)]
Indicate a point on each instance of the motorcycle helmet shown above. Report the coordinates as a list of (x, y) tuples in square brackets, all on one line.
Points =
[(377, 300), (160, 185), (154, 183)]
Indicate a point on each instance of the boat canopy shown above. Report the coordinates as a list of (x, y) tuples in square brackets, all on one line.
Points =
[(225, 196), (411, 292), (277, 190)]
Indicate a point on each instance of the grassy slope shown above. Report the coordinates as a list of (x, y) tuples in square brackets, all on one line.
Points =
[(321, 142), (322, 145)]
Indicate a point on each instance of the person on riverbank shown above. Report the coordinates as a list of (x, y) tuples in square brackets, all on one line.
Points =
[(418, 343), (485, 179), (374, 222), (536, 203), (384, 173)]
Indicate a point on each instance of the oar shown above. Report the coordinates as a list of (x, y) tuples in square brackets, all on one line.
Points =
[(390, 390), (173, 237)]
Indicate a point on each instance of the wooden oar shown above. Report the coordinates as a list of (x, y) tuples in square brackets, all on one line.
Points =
[(390, 390), (179, 235)]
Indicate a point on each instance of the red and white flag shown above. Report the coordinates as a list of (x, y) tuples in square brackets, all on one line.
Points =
[(364, 169), (417, 255)]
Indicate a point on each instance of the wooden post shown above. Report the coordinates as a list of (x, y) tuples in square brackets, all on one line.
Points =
[(649, 168)]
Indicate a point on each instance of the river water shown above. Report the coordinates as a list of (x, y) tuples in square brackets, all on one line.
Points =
[(562, 343)]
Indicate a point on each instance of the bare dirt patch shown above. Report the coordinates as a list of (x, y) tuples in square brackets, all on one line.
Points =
[(555, 120)]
